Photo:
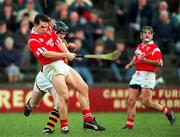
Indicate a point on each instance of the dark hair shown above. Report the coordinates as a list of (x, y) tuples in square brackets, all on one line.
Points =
[(26, 14), (147, 28), (99, 43), (2, 22), (41, 17), (120, 41)]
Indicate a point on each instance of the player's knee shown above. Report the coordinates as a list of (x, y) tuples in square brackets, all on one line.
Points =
[(146, 102), (63, 102), (131, 102), (66, 97), (61, 107), (85, 88)]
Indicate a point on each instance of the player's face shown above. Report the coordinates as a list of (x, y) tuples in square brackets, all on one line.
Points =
[(42, 27), (146, 36), (61, 35)]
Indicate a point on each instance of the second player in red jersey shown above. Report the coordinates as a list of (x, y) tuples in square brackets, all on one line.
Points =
[(149, 51), (147, 58)]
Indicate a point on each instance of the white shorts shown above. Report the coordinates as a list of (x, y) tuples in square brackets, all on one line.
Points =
[(55, 68), (144, 79), (42, 83)]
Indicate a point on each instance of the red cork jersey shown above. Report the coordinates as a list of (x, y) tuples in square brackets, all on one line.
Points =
[(149, 51), (40, 43)]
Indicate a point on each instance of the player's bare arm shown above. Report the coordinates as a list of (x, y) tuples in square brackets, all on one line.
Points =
[(62, 46), (151, 62), (53, 54)]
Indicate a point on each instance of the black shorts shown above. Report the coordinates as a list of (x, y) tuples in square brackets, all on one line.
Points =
[(136, 86)]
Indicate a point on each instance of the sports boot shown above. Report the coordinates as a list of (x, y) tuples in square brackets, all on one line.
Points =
[(93, 125)]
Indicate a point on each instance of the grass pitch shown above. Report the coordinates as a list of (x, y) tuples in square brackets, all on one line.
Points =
[(146, 125)]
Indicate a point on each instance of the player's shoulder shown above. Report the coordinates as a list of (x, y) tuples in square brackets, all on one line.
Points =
[(34, 38), (50, 30), (152, 44), (154, 48), (139, 45)]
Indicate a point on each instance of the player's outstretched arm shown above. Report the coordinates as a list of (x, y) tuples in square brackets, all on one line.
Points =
[(53, 55), (63, 47), (152, 62)]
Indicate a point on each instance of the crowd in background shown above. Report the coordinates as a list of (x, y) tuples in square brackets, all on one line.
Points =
[(96, 27)]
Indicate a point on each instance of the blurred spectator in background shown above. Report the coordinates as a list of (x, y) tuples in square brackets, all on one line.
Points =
[(56, 11), (21, 40), (165, 33), (9, 17), (81, 65), (4, 32), (29, 8), (177, 51), (139, 15), (11, 60), (109, 39), (39, 7), (162, 6), (79, 34), (13, 4), (60, 12), (27, 18), (154, 4), (50, 5), (94, 28), (81, 7), (121, 8), (99, 67), (177, 17), (73, 24), (118, 67)]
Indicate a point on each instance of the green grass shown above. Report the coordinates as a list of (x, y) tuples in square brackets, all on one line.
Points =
[(146, 125)]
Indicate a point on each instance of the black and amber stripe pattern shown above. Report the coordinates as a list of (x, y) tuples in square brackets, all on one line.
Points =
[(53, 118)]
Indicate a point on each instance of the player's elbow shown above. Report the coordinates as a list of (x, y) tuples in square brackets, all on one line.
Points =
[(160, 64)]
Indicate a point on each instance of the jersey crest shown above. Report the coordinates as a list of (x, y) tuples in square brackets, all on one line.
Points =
[(41, 40)]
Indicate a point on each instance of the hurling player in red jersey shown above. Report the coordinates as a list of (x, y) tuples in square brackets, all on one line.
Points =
[(49, 50), (147, 58), (42, 86)]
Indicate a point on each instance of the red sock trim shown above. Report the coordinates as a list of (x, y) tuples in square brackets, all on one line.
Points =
[(130, 119), (130, 123), (129, 126), (165, 110), (63, 122), (87, 115)]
